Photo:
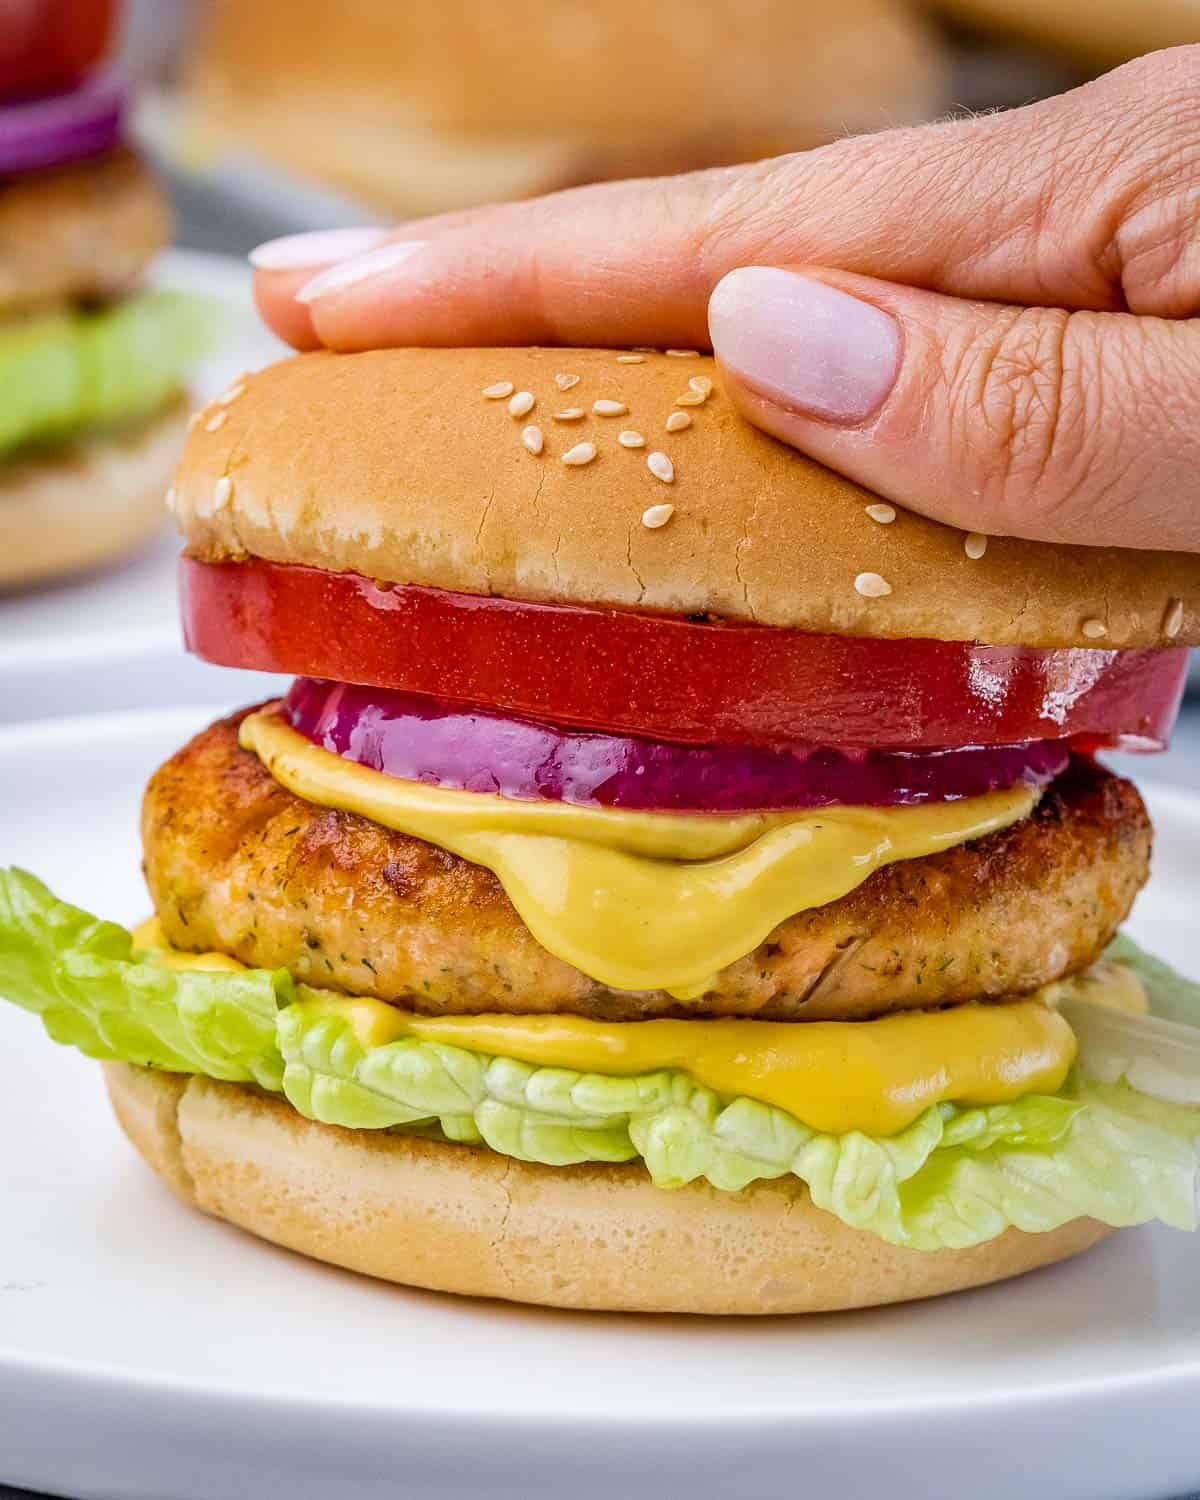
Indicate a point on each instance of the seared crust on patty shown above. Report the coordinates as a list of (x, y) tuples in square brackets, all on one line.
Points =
[(82, 232), (238, 864)]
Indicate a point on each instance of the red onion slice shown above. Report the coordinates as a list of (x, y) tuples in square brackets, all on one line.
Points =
[(447, 744), (62, 128)]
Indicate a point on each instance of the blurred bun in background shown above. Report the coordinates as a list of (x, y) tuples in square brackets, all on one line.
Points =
[(1098, 32), (419, 109)]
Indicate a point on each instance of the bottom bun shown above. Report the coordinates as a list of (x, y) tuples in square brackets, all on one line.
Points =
[(81, 504), (463, 1219)]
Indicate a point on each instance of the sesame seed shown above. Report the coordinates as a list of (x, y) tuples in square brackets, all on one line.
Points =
[(677, 421), (661, 467), (169, 500), (684, 353), (531, 436), (581, 453), (656, 516), (499, 391), (222, 492), (565, 382), (232, 394), (884, 514), (631, 439), (604, 408), (521, 404), (872, 586), (1094, 629), (218, 420), (1173, 623), (690, 398), (194, 419), (701, 384), (631, 359), (569, 414), (975, 544)]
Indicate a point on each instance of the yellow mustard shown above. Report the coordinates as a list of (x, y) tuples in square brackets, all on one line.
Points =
[(639, 900), (874, 1076)]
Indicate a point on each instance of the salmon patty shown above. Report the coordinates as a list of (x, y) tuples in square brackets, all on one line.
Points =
[(237, 864), (80, 233)]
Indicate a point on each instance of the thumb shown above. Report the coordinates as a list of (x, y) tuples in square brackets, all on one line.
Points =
[(1076, 427)]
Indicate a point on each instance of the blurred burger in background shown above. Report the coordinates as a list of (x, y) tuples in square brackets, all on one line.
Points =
[(92, 365), (420, 109)]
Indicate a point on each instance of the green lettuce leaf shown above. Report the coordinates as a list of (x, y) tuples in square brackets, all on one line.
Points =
[(957, 1176), (80, 976), (64, 373)]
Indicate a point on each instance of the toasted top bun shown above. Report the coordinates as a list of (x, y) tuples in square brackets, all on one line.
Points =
[(399, 464), (83, 231)]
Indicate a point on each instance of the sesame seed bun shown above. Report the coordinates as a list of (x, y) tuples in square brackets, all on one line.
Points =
[(80, 505), (406, 465), (462, 1219), (82, 231)]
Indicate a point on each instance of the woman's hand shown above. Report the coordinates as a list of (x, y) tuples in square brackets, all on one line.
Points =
[(991, 321)]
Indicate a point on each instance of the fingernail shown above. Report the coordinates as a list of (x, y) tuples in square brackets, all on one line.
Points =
[(295, 252), (804, 345), (360, 268)]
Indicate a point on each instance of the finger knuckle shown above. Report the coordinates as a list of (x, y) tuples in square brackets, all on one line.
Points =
[(1022, 385), (1153, 244), (1153, 72), (793, 208), (744, 206), (1142, 189)]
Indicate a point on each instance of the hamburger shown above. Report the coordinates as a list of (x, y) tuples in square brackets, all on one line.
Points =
[(92, 363), (675, 879)]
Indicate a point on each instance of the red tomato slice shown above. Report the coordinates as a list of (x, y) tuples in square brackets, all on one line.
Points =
[(670, 678), (47, 45)]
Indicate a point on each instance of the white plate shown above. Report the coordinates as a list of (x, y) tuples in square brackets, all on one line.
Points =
[(148, 1352), (111, 638)]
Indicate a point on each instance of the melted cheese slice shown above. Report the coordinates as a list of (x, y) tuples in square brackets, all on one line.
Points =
[(639, 900), (874, 1076)]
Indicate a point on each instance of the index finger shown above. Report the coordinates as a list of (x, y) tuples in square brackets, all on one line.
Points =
[(1040, 206)]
